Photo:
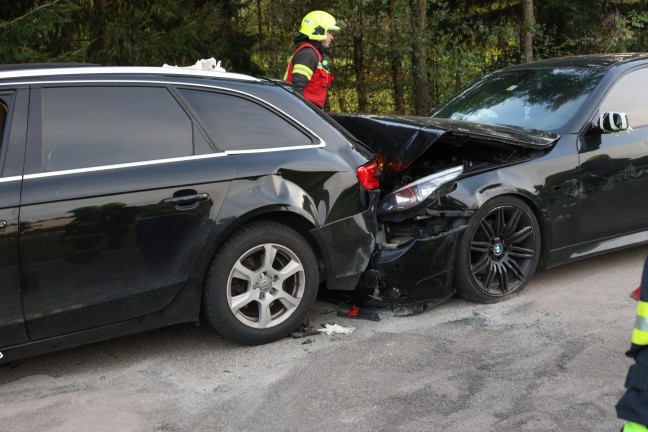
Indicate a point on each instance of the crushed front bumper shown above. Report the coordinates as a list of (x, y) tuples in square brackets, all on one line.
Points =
[(418, 273)]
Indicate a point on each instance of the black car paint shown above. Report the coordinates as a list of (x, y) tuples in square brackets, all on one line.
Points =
[(420, 271), (585, 187), (12, 327), (68, 263)]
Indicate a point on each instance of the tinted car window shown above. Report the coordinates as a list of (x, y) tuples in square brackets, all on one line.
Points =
[(236, 123), (543, 99), (629, 95), (93, 126), (4, 110), (3, 116)]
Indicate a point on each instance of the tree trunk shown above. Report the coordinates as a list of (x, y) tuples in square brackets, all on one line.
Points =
[(358, 61), (528, 22), (419, 57), (259, 20), (102, 36), (104, 42), (396, 65)]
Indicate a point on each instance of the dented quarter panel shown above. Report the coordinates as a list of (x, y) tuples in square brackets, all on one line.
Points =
[(342, 215), (353, 240)]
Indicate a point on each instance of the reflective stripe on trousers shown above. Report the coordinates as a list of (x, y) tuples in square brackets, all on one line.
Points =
[(634, 427), (640, 332)]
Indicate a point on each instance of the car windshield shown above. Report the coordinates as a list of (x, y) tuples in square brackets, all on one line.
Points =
[(543, 99)]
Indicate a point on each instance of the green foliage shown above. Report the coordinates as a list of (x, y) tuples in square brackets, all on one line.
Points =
[(40, 31), (374, 56), (637, 25), (156, 32)]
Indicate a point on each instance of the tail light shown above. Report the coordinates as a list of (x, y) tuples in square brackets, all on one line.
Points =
[(367, 174)]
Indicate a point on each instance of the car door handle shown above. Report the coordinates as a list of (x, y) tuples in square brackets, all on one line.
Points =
[(186, 200)]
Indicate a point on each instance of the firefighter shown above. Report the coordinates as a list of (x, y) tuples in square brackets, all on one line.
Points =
[(633, 405), (308, 69)]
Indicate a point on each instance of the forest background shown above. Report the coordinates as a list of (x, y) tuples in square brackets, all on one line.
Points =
[(390, 57)]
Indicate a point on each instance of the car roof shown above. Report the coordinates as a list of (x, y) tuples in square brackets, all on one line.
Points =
[(588, 61), (54, 69)]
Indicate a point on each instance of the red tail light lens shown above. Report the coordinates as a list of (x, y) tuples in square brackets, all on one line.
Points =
[(367, 175)]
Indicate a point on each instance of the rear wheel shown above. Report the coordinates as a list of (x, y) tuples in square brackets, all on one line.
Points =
[(498, 252), (261, 284)]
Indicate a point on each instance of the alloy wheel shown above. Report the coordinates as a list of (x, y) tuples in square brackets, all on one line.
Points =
[(503, 250), (265, 286)]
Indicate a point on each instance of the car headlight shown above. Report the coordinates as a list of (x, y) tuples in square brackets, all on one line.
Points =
[(421, 191)]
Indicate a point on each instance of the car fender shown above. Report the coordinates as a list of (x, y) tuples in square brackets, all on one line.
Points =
[(472, 195)]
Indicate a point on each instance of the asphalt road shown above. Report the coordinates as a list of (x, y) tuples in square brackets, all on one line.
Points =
[(550, 359)]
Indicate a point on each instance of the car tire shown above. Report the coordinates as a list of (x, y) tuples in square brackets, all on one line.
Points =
[(498, 252), (252, 300)]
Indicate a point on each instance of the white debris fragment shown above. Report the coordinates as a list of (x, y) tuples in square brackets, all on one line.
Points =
[(329, 329), (209, 64)]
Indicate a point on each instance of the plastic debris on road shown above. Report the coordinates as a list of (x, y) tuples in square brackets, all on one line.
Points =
[(353, 312), (359, 313), (303, 331), (330, 329), (636, 294)]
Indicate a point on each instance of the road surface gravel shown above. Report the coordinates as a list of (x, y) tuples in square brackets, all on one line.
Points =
[(549, 359)]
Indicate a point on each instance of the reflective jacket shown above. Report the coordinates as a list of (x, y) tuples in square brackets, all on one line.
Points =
[(633, 405), (319, 80)]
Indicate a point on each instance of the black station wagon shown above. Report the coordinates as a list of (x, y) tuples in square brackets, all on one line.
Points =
[(132, 198)]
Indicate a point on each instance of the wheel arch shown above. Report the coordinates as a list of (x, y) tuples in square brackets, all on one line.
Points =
[(257, 318), (496, 275), (537, 209), (280, 215)]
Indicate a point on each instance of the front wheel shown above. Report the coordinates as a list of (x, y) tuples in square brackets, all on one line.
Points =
[(498, 252), (261, 284)]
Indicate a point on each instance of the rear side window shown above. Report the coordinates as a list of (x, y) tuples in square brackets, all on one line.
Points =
[(237, 123), (4, 110), (4, 113), (94, 126)]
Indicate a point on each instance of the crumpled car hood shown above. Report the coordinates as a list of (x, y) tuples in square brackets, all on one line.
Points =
[(398, 141)]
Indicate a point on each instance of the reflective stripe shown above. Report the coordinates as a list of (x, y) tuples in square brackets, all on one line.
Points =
[(640, 337), (640, 332), (304, 70), (641, 323), (634, 427), (642, 309)]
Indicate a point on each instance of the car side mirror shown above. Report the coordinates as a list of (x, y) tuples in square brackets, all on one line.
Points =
[(612, 122)]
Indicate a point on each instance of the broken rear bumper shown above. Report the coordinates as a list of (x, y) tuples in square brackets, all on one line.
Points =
[(350, 243)]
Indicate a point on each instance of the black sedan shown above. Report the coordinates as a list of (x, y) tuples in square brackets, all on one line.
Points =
[(544, 163)]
